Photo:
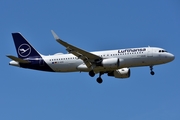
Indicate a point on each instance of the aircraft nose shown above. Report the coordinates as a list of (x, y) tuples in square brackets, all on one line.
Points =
[(171, 57)]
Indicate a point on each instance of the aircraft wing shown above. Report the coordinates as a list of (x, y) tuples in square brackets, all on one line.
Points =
[(87, 57)]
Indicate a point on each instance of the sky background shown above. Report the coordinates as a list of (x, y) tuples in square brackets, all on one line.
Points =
[(91, 25)]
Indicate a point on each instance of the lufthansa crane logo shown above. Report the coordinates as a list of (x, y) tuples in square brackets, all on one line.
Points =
[(24, 50)]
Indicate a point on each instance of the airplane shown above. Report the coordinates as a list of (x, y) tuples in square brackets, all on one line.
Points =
[(114, 63)]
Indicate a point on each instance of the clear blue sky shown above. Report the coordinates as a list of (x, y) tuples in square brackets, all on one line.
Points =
[(94, 25)]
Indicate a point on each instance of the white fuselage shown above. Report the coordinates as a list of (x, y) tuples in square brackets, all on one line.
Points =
[(132, 57)]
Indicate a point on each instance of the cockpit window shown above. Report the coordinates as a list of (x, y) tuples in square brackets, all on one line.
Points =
[(162, 51)]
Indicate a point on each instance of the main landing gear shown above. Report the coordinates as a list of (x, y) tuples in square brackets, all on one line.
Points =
[(152, 72), (99, 79), (91, 73)]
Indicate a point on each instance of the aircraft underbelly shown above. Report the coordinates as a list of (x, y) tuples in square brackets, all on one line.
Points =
[(64, 66)]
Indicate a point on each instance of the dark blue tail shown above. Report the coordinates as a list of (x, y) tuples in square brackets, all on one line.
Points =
[(23, 48)]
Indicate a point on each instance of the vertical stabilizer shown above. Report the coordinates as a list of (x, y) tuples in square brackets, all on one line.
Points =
[(23, 47)]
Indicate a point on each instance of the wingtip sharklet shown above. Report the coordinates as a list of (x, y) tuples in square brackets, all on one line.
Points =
[(55, 35)]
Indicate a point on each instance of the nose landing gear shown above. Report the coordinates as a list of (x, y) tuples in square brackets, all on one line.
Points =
[(152, 72)]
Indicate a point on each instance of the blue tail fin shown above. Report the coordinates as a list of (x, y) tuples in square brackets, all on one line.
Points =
[(23, 47)]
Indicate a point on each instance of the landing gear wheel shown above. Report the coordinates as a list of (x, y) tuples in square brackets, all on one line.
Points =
[(152, 73), (99, 80), (91, 73)]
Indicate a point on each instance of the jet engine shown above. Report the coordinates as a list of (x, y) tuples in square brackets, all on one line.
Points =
[(120, 73), (110, 63)]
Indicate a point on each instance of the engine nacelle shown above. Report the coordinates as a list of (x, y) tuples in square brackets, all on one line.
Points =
[(120, 73), (110, 63)]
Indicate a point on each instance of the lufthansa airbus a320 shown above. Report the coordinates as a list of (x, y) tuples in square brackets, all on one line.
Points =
[(115, 63)]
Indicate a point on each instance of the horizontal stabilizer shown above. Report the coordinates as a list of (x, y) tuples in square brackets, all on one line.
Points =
[(17, 59)]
